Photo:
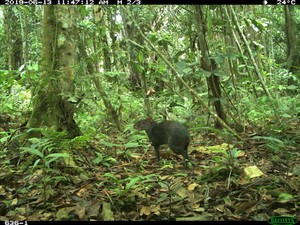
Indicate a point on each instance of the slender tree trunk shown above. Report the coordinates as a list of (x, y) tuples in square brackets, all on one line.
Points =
[(137, 78), (209, 65), (13, 38)]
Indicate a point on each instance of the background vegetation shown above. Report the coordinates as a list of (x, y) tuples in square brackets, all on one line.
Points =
[(74, 80)]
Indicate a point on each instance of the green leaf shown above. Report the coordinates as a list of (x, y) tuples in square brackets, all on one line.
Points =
[(98, 159), (164, 185), (111, 160), (131, 145), (34, 151), (234, 152), (132, 182), (285, 197), (175, 188), (55, 156), (141, 57), (292, 87), (269, 139), (205, 73), (109, 144), (187, 70), (36, 163)]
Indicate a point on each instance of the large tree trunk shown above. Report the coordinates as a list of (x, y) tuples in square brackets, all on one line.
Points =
[(51, 105), (292, 43)]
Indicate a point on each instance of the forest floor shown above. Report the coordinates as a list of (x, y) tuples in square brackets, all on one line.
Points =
[(250, 182)]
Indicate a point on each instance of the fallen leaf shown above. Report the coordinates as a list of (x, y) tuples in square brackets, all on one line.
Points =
[(155, 209), (192, 187), (80, 211), (182, 192), (253, 171), (14, 201), (281, 211), (107, 214), (203, 217), (63, 213), (145, 210), (244, 206)]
